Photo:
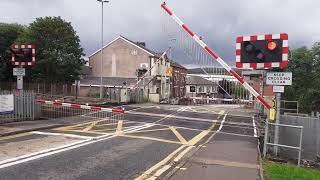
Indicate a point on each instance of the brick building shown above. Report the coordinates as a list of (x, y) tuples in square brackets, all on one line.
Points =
[(178, 80)]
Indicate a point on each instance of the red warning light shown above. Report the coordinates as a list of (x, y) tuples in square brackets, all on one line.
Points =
[(271, 45)]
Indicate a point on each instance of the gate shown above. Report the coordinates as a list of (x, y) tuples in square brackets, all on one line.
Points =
[(67, 112)]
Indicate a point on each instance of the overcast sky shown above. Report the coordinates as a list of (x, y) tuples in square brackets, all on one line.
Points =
[(219, 22)]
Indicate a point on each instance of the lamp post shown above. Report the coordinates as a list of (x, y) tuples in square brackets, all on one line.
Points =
[(101, 63)]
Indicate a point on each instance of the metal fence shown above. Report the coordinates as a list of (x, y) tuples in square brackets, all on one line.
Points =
[(289, 107), (283, 145), (290, 136), (93, 118), (136, 95), (24, 106), (42, 88)]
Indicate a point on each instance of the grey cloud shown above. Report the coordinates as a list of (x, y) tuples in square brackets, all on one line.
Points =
[(219, 22)]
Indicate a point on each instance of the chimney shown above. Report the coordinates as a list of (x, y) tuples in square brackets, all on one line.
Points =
[(143, 44)]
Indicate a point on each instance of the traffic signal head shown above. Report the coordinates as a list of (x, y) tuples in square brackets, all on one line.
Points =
[(23, 55), (261, 52)]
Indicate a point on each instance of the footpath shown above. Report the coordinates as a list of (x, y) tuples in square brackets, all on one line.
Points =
[(231, 154)]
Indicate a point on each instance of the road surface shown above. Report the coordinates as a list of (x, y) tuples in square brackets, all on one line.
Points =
[(150, 142)]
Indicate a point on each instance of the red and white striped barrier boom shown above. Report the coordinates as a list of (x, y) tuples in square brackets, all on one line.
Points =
[(215, 56), (80, 106), (144, 75)]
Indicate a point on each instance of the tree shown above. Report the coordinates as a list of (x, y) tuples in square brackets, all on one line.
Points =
[(304, 63), (58, 51), (8, 34)]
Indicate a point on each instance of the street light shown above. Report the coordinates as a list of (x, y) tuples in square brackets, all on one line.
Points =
[(101, 64)]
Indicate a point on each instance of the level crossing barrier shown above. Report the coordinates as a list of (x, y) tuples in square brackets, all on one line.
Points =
[(75, 113), (196, 48)]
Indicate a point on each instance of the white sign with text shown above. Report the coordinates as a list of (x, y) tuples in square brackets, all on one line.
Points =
[(6, 104), (279, 78), (278, 89)]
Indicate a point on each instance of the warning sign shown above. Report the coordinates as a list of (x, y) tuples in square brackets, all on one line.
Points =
[(279, 78), (6, 104)]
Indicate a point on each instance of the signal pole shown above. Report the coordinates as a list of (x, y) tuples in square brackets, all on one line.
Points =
[(276, 130)]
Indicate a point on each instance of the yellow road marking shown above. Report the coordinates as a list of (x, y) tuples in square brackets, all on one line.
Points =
[(180, 168), (162, 170), (73, 126), (99, 125), (90, 127), (15, 136), (197, 138), (222, 112), (79, 125), (102, 130), (156, 166), (150, 130), (178, 135), (119, 127), (182, 153), (151, 138)]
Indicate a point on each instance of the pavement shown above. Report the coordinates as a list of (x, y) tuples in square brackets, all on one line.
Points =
[(224, 156), (149, 142), (27, 126)]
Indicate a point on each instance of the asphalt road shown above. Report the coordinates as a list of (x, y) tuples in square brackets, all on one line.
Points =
[(127, 155)]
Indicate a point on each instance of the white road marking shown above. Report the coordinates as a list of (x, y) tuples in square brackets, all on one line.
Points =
[(254, 126), (62, 134), (223, 120), (48, 152)]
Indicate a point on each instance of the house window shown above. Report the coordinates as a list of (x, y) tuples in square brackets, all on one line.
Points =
[(192, 89), (200, 89), (134, 52), (208, 89)]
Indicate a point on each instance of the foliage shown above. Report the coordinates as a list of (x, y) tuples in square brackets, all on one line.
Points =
[(305, 67), (8, 34), (277, 171), (58, 51)]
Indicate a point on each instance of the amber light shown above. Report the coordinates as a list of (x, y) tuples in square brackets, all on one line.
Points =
[(271, 45)]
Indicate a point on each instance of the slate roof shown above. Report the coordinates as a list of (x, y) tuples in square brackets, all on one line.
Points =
[(197, 80), (175, 64)]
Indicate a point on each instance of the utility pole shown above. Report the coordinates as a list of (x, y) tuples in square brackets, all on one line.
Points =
[(101, 63)]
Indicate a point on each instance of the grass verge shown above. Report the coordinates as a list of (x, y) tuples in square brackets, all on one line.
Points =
[(277, 171)]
